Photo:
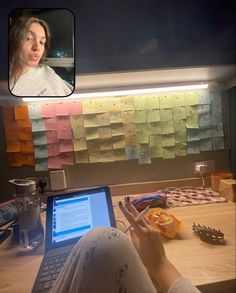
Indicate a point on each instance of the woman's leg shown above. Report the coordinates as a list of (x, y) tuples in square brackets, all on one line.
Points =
[(104, 261)]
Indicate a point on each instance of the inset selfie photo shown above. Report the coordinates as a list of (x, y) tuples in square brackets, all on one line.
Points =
[(41, 52)]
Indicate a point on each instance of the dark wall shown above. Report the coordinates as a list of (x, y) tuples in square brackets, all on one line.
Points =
[(141, 34), (232, 112)]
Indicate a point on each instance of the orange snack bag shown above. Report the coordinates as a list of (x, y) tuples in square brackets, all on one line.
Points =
[(167, 224)]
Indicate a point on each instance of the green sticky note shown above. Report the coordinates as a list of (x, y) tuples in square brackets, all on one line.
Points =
[(180, 136), (153, 115), (168, 152), (140, 116), (168, 140), (193, 147), (178, 113), (166, 114), (181, 149), (152, 102), (143, 147), (155, 128), (139, 103), (192, 121), (142, 128), (155, 140), (142, 138), (156, 151), (167, 127)]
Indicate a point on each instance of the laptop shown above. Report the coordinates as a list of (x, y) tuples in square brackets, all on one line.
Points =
[(69, 216)]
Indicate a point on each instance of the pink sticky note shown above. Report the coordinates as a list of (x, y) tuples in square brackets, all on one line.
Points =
[(50, 123), (68, 158), (61, 109), (63, 122), (64, 133), (53, 149), (47, 110), (54, 162), (51, 136), (75, 108), (66, 146)]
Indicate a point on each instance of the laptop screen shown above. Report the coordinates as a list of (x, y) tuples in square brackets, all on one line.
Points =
[(71, 215)]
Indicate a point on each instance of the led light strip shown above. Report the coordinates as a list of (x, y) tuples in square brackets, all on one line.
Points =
[(126, 92)]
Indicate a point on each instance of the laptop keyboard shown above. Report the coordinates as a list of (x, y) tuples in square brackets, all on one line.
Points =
[(49, 272)]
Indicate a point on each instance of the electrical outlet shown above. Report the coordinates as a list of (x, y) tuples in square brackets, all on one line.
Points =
[(204, 167)]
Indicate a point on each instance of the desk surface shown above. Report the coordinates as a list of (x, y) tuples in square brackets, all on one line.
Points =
[(208, 266)]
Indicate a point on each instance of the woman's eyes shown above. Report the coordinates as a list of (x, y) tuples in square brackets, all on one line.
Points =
[(31, 39)]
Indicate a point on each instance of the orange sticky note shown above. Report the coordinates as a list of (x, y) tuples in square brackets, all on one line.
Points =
[(27, 147), (24, 135), (28, 160), (13, 146), (15, 160), (21, 112)]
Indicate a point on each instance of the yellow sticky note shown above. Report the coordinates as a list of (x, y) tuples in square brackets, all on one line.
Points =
[(168, 140), (81, 157), (93, 145), (116, 117), (130, 140), (127, 103), (142, 138), (191, 98), (128, 116), (115, 104), (180, 100), (152, 102), (168, 152), (90, 121), (140, 116), (155, 128), (13, 146), (139, 103), (166, 114), (143, 148), (181, 149), (79, 144), (117, 129), (104, 132), (118, 142), (77, 124), (129, 129), (180, 136), (119, 154), (89, 107), (95, 157), (178, 113), (156, 151), (192, 121), (92, 133), (180, 125), (153, 115), (103, 119), (142, 128), (155, 140), (167, 127), (105, 144), (102, 105), (107, 156), (166, 101)]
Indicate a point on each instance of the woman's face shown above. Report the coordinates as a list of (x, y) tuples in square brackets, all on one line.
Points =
[(32, 47)]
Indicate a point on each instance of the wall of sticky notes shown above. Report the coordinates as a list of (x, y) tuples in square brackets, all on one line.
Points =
[(52, 135)]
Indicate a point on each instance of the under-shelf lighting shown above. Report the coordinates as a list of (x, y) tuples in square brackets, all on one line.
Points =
[(126, 92)]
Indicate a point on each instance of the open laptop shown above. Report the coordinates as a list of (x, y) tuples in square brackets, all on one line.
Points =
[(69, 216)]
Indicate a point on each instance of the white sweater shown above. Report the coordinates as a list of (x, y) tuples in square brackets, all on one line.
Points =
[(41, 81)]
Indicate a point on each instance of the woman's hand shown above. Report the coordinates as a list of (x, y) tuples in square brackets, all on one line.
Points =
[(148, 243)]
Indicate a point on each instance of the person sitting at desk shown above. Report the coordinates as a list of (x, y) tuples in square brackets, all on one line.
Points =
[(29, 42), (105, 261)]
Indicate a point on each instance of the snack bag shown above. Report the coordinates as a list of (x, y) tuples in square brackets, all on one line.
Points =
[(167, 224)]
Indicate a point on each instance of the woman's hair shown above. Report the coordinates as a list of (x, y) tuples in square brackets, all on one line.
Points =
[(18, 31)]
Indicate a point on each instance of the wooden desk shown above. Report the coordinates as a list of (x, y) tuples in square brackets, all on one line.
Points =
[(211, 267)]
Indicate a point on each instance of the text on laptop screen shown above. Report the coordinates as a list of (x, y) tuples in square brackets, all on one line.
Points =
[(74, 216)]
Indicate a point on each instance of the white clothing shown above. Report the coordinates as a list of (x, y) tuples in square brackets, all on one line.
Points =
[(41, 81)]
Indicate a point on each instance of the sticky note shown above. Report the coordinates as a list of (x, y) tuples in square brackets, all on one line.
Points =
[(104, 132), (128, 116), (166, 115), (24, 124), (142, 128), (61, 109), (130, 140), (119, 154), (103, 119), (24, 134), (193, 147), (50, 123), (75, 108), (47, 110), (93, 145), (153, 115), (92, 133), (102, 105), (191, 98), (127, 103), (181, 149), (178, 113), (81, 157), (204, 132), (95, 157), (140, 116), (40, 151), (142, 138), (41, 165), (8, 113), (66, 146), (204, 120), (27, 147), (53, 149), (39, 138), (116, 117), (118, 142), (115, 104), (28, 160), (203, 109), (156, 151), (67, 158), (168, 152), (105, 144), (193, 135), (89, 107), (166, 101), (206, 144), (107, 156), (54, 163), (203, 97), (35, 111), (117, 129), (63, 122), (168, 140), (129, 129), (131, 153), (180, 136), (11, 130), (21, 112), (154, 128), (13, 147), (79, 144), (64, 133), (15, 159), (51, 136), (144, 158), (167, 127), (217, 131), (152, 102), (218, 143), (139, 103), (180, 125), (155, 140), (77, 124), (90, 121), (38, 125), (192, 120)]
